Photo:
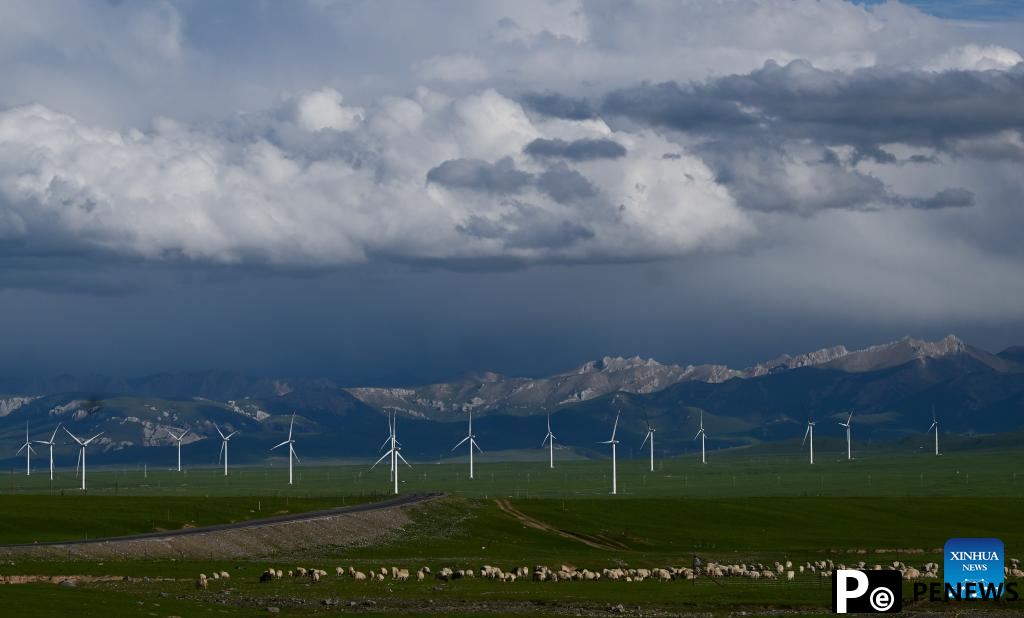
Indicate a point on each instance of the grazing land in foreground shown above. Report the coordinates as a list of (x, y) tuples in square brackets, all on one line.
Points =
[(741, 508)]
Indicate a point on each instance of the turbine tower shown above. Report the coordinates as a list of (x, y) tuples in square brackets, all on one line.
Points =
[(549, 439), (849, 452), (27, 447), (81, 452), (701, 434), (291, 448), (935, 426), (53, 440), (395, 452), (809, 433), (613, 442), (178, 439), (224, 447), (472, 444), (649, 436)]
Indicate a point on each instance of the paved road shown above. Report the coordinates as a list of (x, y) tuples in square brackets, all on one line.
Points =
[(405, 500)]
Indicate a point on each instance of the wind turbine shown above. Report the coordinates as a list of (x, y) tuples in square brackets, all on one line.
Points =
[(387, 441), (50, 444), (649, 436), (701, 434), (809, 433), (935, 426), (395, 452), (549, 439), (81, 452), (291, 448), (178, 439), (849, 453), (224, 447), (472, 444), (27, 447), (613, 442)]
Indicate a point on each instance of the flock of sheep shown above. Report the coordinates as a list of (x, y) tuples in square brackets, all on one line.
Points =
[(754, 571)]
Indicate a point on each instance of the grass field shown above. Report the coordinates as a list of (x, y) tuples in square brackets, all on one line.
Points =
[(732, 474), (738, 508), (39, 518)]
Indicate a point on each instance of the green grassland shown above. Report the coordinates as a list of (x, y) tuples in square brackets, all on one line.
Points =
[(741, 507), (40, 518), (737, 473)]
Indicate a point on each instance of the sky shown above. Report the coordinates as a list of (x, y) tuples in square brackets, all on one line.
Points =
[(391, 192)]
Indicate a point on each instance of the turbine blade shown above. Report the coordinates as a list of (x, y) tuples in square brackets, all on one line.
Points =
[(229, 436), (56, 429), (22, 448), (220, 456), (73, 437), (92, 438), (386, 442), (294, 454), (615, 427), (461, 442), (473, 444), (805, 436), (184, 434), (646, 438), (78, 464), (280, 445), (399, 454), (291, 426), (387, 454), (217, 427)]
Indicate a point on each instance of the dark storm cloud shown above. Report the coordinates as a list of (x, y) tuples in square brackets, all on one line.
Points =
[(576, 150), (956, 197), (558, 105), (565, 185), (768, 174), (770, 135), (560, 183), (684, 107), (501, 177), (864, 108), (758, 172)]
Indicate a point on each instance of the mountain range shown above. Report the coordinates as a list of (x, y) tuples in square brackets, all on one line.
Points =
[(892, 388)]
